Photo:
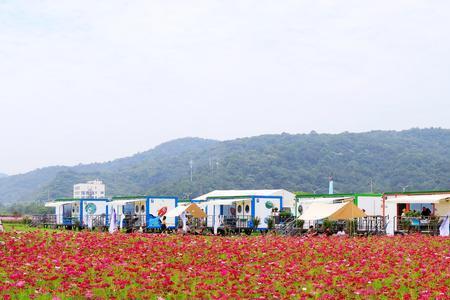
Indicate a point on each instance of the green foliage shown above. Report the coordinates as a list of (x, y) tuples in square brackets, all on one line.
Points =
[(299, 223), (412, 214), (256, 221), (328, 224), (26, 208), (352, 225), (418, 158), (285, 214), (406, 223), (270, 223)]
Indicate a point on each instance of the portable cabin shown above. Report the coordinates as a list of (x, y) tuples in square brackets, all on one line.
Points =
[(370, 203), (287, 197), (145, 211), (394, 204), (78, 211), (237, 209)]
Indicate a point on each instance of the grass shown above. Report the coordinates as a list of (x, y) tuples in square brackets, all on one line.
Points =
[(21, 227)]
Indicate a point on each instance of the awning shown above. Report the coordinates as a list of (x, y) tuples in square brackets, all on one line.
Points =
[(56, 204), (193, 209), (418, 198), (339, 211)]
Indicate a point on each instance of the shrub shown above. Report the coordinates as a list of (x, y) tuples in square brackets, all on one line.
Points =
[(270, 223), (256, 221), (328, 224), (299, 223)]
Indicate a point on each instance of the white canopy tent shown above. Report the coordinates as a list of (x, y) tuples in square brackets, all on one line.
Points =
[(434, 199), (56, 204), (332, 211), (176, 212), (192, 208)]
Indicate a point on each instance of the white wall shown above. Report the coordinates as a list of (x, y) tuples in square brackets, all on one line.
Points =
[(442, 209), (100, 209), (373, 205), (288, 198), (262, 212)]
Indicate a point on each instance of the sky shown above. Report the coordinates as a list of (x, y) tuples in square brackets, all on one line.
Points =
[(89, 81)]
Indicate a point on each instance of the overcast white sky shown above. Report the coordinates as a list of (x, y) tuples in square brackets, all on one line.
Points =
[(86, 81)]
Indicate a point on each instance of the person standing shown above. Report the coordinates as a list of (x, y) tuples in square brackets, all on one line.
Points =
[(163, 224)]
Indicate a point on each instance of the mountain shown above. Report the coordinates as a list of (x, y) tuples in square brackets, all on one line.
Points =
[(419, 158), (3, 175)]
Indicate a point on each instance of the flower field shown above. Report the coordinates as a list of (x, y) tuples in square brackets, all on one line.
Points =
[(61, 265)]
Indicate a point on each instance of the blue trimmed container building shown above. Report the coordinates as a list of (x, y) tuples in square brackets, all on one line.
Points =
[(80, 212), (147, 209)]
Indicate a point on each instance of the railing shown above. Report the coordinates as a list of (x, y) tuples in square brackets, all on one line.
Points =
[(371, 224), (94, 221), (418, 224), (368, 225), (232, 222), (38, 220), (130, 222), (290, 226)]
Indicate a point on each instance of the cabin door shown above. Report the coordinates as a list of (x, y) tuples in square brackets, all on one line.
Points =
[(67, 214)]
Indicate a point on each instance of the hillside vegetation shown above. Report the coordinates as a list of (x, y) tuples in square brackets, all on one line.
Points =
[(419, 158)]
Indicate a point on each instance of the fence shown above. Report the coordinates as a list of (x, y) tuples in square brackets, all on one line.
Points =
[(93, 221), (428, 225), (371, 224)]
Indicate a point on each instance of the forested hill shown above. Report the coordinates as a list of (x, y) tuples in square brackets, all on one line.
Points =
[(417, 158)]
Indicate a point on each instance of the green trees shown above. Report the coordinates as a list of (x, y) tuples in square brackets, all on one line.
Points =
[(419, 158)]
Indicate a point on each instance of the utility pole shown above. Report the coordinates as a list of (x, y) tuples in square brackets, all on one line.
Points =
[(371, 185)]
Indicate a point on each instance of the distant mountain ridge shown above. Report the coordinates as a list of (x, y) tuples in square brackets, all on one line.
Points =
[(419, 158), (3, 175)]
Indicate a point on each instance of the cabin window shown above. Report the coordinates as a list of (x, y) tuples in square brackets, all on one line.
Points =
[(142, 208), (239, 209), (247, 209), (136, 209)]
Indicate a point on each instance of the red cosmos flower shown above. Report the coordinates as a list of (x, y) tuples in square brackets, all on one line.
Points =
[(97, 265)]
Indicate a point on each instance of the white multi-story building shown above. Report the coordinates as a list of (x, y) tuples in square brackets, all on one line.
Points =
[(90, 190)]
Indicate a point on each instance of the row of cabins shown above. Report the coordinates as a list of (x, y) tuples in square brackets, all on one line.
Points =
[(239, 208)]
